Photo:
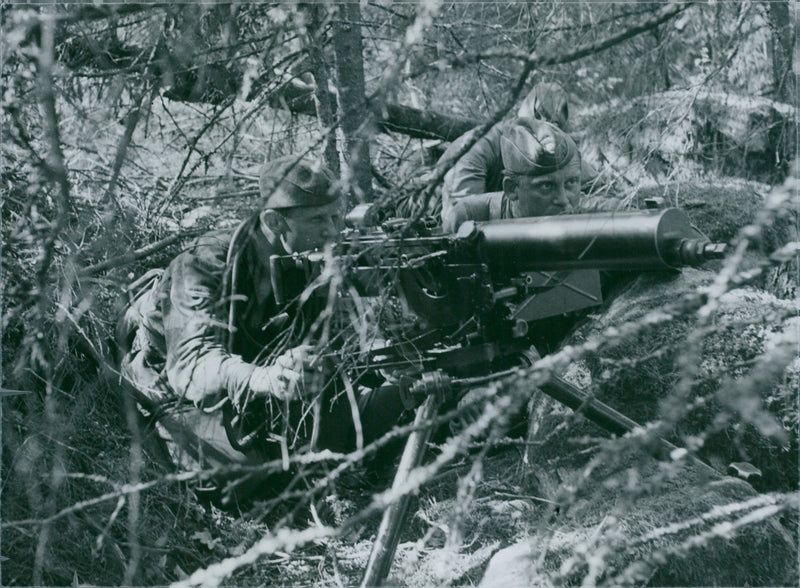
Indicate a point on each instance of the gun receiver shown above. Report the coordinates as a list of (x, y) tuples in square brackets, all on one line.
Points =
[(493, 280)]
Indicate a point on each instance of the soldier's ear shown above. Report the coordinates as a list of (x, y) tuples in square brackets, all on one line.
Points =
[(510, 187), (273, 221)]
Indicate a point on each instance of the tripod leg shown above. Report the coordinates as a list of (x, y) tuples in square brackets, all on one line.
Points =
[(393, 521)]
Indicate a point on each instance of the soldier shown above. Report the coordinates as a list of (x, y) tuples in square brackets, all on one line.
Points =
[(229, 376), (480, 170), (541, 175)]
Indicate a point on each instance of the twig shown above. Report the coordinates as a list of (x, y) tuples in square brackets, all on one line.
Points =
[(10, 392), (513, 496), (766, 506), (224, 194), (180, 178), (537, 61), (127, 258), (133, 119), (57, 171), (54, 159)]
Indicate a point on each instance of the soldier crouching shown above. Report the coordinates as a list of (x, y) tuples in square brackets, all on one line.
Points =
[(229, 376)]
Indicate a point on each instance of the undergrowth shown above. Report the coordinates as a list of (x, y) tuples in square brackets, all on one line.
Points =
[(87, 499)]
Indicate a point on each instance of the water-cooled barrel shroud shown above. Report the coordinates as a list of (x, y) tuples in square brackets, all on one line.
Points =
[(627, 241)]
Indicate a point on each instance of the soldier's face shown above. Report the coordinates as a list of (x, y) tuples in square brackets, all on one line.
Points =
[(554, 193), (312, 227)]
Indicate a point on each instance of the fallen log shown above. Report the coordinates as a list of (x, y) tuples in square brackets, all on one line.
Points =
[(298, 97)]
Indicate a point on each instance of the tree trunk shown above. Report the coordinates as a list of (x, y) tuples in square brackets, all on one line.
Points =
[(324, 101), (783, 42), (354, 120)]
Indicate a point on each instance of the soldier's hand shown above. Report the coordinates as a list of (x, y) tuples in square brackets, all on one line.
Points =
[(291, 376)]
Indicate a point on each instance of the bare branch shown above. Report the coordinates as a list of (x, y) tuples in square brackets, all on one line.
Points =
[(536, 60), (55, 157), (142, 253)]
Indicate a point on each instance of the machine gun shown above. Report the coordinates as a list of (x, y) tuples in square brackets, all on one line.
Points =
[(477, 297)]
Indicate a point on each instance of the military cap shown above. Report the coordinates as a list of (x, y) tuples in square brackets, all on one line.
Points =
[(549, 102), (288, 183), (534, 147)]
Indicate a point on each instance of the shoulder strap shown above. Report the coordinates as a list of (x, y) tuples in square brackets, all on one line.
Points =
[(235, 249)]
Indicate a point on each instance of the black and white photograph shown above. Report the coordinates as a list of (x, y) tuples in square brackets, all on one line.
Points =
[(400, 293)]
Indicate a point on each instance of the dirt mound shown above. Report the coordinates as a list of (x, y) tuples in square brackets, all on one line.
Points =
[(725, 388), (721, 209)]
